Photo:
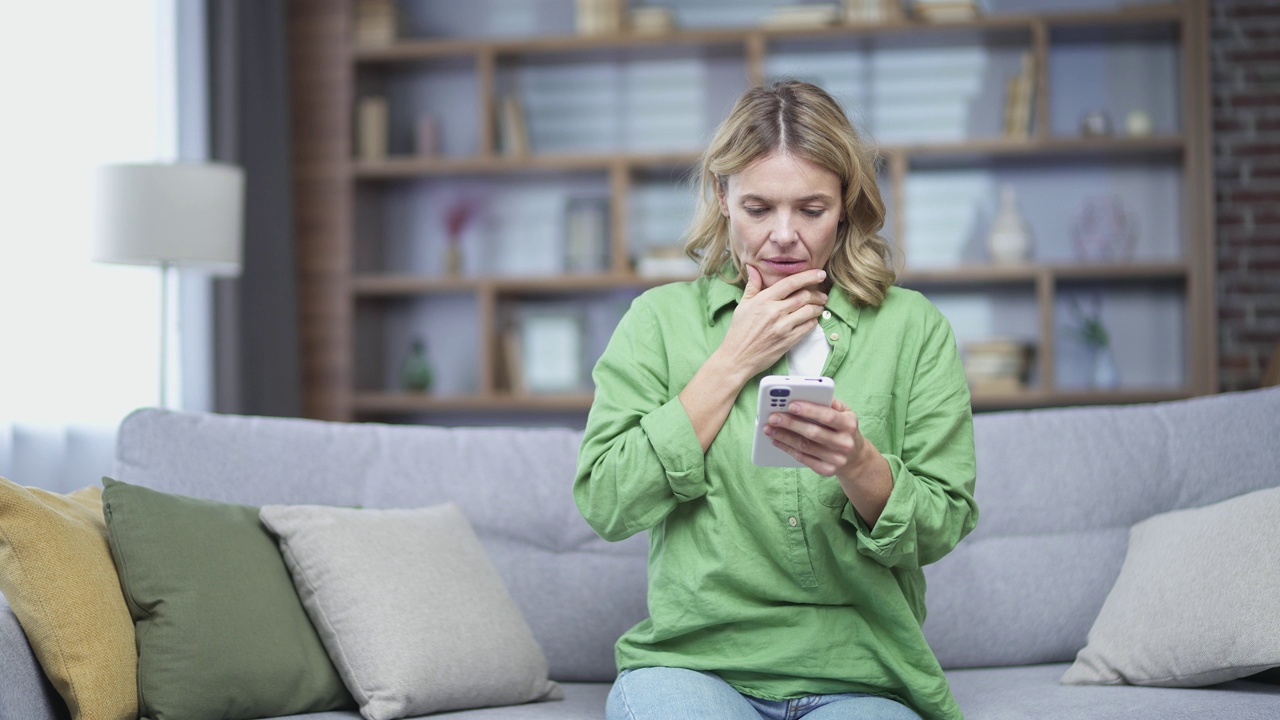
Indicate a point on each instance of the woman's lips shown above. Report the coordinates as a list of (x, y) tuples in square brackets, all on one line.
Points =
[(785, 265)]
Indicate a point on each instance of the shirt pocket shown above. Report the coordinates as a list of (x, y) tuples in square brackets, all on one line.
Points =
[(873, 421)]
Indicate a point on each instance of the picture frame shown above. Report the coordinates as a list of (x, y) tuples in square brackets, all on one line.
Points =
[(549, 349), (586, 234)]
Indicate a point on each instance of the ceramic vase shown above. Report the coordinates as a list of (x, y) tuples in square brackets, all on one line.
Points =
[(453, 258), (1010, 238), (1106, 374), (1103, 231)]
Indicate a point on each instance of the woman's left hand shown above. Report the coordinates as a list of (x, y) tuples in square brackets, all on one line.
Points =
[(827, 440)]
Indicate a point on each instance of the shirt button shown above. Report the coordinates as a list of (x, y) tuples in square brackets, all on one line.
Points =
[(834, 337), (792, 520), (826, 314)]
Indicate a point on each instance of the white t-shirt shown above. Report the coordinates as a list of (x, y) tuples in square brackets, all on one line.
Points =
[(808, 356)]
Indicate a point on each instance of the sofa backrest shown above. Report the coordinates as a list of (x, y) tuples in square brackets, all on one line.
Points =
[(1057, 492), (578, 592)]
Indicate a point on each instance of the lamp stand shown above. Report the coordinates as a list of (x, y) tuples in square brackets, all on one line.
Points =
[(165, 270)]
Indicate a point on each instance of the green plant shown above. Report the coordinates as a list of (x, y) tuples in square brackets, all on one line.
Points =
[(1089, 323)]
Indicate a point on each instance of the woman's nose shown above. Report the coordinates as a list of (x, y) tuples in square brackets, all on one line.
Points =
[(783, 231)]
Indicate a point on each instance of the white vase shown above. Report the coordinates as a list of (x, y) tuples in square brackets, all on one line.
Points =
[(1010, 238), (1106, 374)]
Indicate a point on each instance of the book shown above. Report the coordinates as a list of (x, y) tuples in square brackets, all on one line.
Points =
[(807, 15), (942, 11), (513, 367), (866, 12), (598, 17), (514, 134), (371, 128), (586, 225), (651, 20), (666, 262), (997, 365), (375, 23), (1020, 99)]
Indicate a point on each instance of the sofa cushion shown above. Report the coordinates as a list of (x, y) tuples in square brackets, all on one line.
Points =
[(410, 608), (57, 574), (1033, 691), (221, 634), (1197, 601), (1057, 492)]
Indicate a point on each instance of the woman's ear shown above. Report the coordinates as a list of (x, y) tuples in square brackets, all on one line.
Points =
[(722, 184)]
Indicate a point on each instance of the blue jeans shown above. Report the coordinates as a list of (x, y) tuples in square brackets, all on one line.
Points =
[(669, 693)]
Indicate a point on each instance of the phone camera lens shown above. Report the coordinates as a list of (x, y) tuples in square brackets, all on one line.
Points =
[(780, 392)]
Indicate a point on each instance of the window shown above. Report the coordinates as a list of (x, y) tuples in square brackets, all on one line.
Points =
[(85, 83)]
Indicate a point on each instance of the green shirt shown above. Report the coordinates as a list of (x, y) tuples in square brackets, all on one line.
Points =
[(766, 576)]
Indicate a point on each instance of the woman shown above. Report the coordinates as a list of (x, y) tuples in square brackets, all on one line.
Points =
[(782, 592)]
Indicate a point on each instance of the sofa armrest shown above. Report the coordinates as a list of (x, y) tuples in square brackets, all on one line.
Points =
[(25, 692)]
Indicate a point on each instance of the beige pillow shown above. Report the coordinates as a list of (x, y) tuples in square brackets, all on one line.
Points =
[(57, 574), (411, 610), (1197, 601)]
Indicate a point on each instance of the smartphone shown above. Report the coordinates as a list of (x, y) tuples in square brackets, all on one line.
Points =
[(776, 393)]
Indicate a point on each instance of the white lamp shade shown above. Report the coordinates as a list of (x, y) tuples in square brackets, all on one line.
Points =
[(187, 214)]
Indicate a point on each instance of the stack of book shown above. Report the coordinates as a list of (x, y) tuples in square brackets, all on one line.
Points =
[(599, 17), (997, 366), (939, 11), (375, 23), (666, 262), (867, 12), (651, 20), (1020, 98), (804, 15)]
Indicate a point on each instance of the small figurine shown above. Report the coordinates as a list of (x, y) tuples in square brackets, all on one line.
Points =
[(1095, 124), (1137, 124)]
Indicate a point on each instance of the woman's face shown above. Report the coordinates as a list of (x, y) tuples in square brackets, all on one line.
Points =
[(783, 212)]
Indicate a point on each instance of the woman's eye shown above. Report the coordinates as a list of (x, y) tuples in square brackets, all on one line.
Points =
[(756, 211), (814, 212)]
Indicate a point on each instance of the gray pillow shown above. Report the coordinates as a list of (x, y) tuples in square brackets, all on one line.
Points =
[(410, 609), (1197, 601)]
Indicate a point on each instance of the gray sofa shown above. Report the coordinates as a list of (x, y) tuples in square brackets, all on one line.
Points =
[(1058, 491)]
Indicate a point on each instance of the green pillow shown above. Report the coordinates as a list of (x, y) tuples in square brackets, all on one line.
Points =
[(221, 632)]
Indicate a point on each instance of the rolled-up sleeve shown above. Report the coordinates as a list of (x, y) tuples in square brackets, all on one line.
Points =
[(931, 507), (640, 456)]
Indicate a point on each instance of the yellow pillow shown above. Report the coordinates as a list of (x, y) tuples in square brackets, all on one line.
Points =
[(57, 574)]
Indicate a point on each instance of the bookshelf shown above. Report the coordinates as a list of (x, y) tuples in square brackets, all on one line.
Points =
[(370, 239)]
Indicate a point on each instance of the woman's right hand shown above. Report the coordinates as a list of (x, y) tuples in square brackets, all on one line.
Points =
[(767, 323), (770, 321)]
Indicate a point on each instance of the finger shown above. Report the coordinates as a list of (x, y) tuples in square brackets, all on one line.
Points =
[(793, 283), (806, 449), (808, 304), (822, 426), (754, 283)]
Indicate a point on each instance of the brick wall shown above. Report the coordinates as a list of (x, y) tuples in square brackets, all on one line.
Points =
[(1245, 48)]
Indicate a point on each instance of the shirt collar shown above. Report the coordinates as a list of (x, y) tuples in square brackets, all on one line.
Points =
[(721, 293)]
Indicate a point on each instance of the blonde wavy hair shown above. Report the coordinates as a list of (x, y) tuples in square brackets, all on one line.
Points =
[(800, 118)]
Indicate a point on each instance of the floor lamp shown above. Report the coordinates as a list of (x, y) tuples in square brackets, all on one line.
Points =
[(170, 215)]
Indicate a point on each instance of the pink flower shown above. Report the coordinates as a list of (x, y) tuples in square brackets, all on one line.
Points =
[(456, 219)]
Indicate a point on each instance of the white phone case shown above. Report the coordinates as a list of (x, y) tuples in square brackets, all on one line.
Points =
[(776, 392)]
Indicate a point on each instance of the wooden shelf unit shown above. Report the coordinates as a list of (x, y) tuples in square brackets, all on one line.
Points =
[(326, 68)]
